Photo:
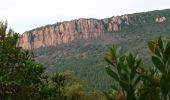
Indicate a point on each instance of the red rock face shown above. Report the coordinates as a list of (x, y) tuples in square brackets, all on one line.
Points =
[(115, 23), (68, 31)]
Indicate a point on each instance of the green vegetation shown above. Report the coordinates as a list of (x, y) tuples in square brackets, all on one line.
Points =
[(85, 57), (21, 78), (19, 75), (132, 81), (123, 70)]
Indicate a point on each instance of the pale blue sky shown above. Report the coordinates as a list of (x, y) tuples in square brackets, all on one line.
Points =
[(23, 15)]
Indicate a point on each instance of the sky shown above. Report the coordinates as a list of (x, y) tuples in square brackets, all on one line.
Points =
[(24, 15)]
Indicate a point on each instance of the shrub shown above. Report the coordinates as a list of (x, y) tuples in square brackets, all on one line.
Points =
[(132, 81)]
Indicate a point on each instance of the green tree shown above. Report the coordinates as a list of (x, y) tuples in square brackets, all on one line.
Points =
[(19, 74), (133, 82), (61, 86), (157, 80), (52, 88), (123, 71), (73, 89)]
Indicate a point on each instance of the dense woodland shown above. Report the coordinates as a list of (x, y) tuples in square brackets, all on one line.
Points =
[(84, 70)]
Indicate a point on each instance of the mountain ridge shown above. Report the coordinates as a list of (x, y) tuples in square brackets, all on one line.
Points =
[(83, 28), (85, 57), (66, 32), (96, 18)]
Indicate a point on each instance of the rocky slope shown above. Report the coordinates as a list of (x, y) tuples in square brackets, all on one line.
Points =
[(83, 29), (66, 32)]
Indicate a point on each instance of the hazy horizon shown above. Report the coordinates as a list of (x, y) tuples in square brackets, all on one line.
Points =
[(23, 15)]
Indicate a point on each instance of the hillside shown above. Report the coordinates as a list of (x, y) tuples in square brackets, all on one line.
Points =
[(79, 45)]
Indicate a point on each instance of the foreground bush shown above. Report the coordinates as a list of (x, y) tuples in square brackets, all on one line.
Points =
[(19, 74), (132, 81)]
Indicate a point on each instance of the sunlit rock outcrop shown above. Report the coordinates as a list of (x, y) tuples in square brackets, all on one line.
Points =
[(66, 32)]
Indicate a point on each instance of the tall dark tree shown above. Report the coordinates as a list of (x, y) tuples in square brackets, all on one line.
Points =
[(19, 74)]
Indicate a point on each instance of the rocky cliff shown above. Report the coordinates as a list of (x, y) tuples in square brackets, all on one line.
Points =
[(66, 32), (83, 29), (160, 19)]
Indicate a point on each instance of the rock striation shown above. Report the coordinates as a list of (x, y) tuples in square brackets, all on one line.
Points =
[(68, 31)]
